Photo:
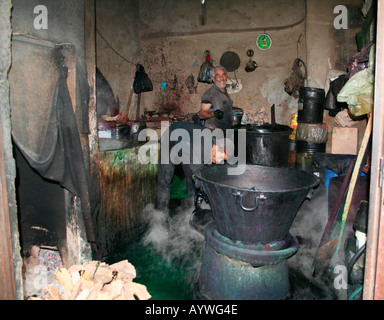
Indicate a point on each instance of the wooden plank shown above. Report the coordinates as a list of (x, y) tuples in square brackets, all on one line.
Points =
[(328, 242), (355, 175), (374, 263), (327, 250), (7, 280)]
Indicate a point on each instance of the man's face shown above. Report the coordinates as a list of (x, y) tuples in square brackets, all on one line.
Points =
[(220, 78)]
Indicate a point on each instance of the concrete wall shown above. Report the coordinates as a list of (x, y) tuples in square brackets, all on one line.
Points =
[(117, 27), (330, 49), (32, 86), (65, 22), (10, 262), (171, 33), (229, 26)]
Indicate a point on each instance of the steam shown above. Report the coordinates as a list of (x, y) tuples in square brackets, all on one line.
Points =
[(308, 228), (175, 240), (172, 237)]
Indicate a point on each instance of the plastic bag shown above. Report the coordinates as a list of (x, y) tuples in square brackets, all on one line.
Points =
[(141, 83), (358, 91), (205, 69), (359, 61)]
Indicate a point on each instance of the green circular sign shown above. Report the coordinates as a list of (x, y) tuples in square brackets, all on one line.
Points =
[(264, 41)]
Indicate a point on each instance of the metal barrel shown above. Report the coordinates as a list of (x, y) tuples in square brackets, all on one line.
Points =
[(311, 105)]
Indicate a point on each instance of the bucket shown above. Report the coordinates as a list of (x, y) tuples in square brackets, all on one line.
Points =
[(311, 105), (258, 205)]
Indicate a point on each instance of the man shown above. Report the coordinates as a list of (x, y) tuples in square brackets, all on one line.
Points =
[(216, 104), (216, 110)]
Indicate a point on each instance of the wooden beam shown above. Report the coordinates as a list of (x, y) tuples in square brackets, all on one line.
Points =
[(374, 265), (7, 279)]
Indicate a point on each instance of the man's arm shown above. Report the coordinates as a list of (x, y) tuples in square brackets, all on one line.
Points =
[(205, 112)]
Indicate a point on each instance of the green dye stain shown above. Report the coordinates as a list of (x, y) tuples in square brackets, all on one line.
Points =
[(164, 279)]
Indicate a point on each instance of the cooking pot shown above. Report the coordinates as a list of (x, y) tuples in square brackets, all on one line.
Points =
[(237, 115), (267, 144)]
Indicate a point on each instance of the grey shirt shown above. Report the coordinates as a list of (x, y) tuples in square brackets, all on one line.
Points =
[(220, 101)]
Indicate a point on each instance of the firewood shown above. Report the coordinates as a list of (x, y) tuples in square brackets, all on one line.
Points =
[(103, 274), (83, 295), (75, 275), (114, 289), (103, 296), (136, 290), (64, 278), (86, 284), (85, 275), (125, 269), (76, 290), (35, 298), (96, 281), (94, 291), (52, 293)]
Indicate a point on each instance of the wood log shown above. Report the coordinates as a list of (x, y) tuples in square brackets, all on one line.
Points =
[(96, 281)]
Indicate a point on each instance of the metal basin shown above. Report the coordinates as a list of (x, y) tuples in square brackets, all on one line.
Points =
[(259, 205)]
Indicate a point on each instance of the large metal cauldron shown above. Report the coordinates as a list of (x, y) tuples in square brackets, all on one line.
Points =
[(259, 205), (267, 144)]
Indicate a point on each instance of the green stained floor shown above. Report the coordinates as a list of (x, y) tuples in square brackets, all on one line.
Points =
[(167, 256), (164, 279)]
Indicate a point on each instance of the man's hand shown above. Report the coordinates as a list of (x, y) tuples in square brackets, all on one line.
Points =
[(218, 114)]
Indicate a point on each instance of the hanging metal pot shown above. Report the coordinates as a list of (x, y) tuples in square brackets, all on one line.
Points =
[(251, 64), (230, 61)]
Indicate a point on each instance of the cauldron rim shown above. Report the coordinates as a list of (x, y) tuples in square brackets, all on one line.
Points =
[(311, 186)]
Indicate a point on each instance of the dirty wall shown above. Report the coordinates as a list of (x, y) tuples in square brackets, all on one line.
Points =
[(173, 33)]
